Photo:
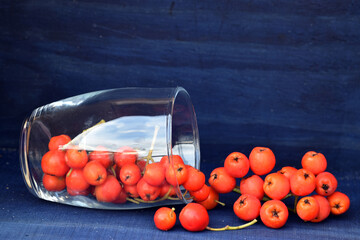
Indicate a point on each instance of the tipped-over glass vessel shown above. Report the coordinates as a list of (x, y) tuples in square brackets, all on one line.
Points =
[(92, 150)]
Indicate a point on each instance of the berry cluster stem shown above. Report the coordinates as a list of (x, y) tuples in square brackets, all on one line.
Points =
[(227, 227), (265, 198), (177, 199), (149, 156), (287, 196), (221, 203), (113, 171), (132, 200), (237, 190), (101, 122), (295, 203)]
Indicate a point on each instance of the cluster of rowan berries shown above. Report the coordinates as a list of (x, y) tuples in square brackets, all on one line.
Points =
[(276, 186), (115, 177), (121, 176)]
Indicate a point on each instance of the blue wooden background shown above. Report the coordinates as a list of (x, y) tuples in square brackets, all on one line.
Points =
[(259, 72), (277, 73)]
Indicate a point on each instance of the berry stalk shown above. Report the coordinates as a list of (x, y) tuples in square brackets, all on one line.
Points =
[(227, 227)]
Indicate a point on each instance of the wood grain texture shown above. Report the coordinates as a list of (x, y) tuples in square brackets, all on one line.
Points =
[(259, 72)]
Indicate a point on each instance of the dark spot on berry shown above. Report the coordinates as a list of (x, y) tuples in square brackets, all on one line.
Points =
[(262, 149), (236, 159), (214, 176), (314, 154), (180, 169), (269, 183), (337, 205), (306, 175), (282, 172), (127, 177), (99, 178), (306, 201), (242, 201), (275, 213), (325, 187)]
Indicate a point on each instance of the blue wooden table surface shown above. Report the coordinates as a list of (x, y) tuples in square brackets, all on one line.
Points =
[(282, 74)]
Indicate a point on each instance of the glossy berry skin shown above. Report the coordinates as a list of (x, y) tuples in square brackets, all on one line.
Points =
[(247, 207), (314, 162), (276, 186), (221, 181), (339, 203), (57, 142), (75, 180), (165, 160), (125, 155), (165, 218), (194, 217), (324, 208), (146, 191), (211, 201), (326, 184), (95, 173), (53, 163), (288, 171), (109, 190), (237, 165), (274, 214), (53, 183), (130, 174), (154, 174), (252, 185), (302, 183), (196, 179), (262, 160), (102, 155), (307, 208), (76, 158), (176, 174), (202, 194)]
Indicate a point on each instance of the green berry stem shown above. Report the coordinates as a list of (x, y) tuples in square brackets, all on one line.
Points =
[(69, 172), (221, 203), (265, 199), (172, 211), (101, 122), (132, 200), (237, 190), (113, 171), (287, 196), (227, 227), (295, 202), (291, 210), (177, 199)]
